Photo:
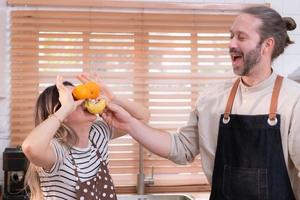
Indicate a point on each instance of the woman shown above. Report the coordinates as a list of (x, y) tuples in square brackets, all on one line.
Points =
[(68, 147)]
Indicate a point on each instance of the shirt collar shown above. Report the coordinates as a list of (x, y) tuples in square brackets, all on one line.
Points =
[(269, 82), (84, 148)]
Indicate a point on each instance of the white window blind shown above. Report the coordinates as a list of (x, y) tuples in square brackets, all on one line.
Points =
[(163, 61)]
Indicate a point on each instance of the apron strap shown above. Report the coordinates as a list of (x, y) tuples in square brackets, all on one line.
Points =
[(274, 100), (273, 106), (231, 99), (73, 162)]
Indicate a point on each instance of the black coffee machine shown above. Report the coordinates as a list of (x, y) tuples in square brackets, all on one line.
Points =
[(15, 166)]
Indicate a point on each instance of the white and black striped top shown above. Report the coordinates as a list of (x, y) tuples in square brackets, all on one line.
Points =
[(60, 181)]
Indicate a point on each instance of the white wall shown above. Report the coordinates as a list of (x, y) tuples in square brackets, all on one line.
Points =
[(289, 61), (284, 65), (4, 84)]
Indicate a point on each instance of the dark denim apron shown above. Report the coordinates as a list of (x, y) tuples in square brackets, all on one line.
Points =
[(249, 162)]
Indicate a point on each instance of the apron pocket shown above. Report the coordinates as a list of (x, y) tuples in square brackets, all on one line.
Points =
[(245, 183)]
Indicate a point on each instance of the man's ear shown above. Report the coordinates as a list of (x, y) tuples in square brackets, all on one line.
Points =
[(268, 46)]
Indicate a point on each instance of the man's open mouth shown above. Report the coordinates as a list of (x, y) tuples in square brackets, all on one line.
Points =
[(236, 57)]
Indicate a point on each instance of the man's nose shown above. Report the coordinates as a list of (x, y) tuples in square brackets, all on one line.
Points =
[(232, 43)]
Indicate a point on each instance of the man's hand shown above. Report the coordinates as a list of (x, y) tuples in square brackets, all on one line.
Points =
[(95, 77), (117, 117)]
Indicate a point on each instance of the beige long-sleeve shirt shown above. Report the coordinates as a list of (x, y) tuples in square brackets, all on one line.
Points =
[(201, 131)]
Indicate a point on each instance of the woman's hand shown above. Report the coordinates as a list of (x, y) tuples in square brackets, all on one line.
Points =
[(105, 91), (68, 104)]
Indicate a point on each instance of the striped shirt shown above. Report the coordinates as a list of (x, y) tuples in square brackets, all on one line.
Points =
[(60, 181)]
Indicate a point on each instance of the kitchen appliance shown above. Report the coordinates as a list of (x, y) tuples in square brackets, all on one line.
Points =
[(15, 166), (0, 191)]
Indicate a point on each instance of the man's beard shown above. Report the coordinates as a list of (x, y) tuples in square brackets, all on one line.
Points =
[(250, 60)]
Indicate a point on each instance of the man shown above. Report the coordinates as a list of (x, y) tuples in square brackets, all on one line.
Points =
[(247, 132)]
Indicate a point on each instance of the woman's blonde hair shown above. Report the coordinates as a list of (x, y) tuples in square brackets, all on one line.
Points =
[(47, 104)]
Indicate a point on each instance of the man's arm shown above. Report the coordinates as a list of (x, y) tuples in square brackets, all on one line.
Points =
[(181, 147), (157, 141), (294, 138)]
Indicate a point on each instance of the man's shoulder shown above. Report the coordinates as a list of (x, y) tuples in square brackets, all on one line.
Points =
[(218, 87), (215, 91), (290, 91), (291, 86)]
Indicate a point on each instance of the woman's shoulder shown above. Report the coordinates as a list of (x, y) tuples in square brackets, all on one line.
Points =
[(100, 126), (100, 130), (61, 152), (58, 144)]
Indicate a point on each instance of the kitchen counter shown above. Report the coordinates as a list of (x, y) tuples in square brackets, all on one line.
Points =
[(166, 196), (200, 195)]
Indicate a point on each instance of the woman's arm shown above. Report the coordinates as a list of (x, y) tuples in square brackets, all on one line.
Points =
[(36, 146)]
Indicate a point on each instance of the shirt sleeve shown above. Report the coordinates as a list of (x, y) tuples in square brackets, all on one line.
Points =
[(185, 143), (294, 138), (60, 154)]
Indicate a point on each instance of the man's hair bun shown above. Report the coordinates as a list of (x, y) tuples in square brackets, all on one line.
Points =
[(289, 23)]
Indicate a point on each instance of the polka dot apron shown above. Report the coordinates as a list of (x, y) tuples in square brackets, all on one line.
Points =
[(100, 187)]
